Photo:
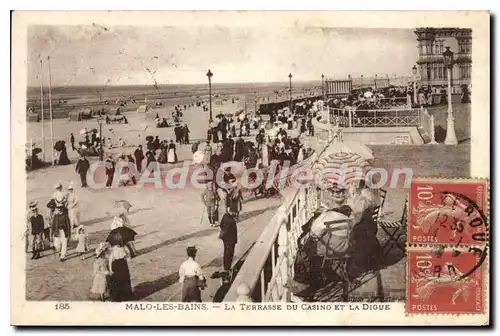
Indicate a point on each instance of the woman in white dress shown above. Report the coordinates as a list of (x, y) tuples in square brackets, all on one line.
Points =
[(172, 153)]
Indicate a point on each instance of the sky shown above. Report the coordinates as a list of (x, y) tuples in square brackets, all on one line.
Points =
[(128, 55)]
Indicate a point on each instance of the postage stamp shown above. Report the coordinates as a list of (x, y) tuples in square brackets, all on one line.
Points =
[(444, 280), (448, 212)]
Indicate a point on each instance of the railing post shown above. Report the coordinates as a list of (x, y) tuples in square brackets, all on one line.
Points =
[(375, 117), (350, 118), (283, 255), (432, 131), (243, 293)]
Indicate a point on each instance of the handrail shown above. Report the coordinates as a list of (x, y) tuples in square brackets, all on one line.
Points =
[(252, 269)]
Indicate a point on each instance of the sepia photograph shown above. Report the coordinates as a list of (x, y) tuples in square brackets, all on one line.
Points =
[(199, 165)]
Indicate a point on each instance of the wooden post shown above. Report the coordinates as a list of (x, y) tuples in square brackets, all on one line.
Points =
[(41, 106), (51, 116), (350, 118)]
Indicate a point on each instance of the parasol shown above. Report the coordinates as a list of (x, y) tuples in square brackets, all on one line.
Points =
[(121, 236), (149, 138), (343, 168), (36, 151), (83, 131), (368, 94), (60, 145), (220, 115), (351, 147)]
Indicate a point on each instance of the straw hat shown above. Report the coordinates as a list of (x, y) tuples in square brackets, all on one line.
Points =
[(58, 185), (71, 187), (33, 204)]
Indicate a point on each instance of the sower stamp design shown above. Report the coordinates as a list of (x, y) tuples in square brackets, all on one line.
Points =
[(448, 212), (450, 281)]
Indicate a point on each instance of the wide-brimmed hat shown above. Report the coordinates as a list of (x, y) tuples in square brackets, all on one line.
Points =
[(58, 185), (103, 246), (71, 187), (33, 204)]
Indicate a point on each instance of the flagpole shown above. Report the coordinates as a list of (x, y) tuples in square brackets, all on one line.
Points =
[(41, 105), (51, 117)]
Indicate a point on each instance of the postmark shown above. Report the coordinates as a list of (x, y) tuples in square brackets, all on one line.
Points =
[(452, 212), (446, 280)]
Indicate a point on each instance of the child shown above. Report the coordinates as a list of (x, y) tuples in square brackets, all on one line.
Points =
[(101, 272), (82, 247)]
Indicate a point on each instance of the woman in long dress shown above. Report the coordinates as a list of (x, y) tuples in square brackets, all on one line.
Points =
[(120, 286), (191, 277), (172, 154)]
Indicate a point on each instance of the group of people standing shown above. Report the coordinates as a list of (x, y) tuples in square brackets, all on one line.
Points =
[(62, 221)]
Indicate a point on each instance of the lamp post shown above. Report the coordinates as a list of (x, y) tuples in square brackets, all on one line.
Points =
[(451, 138), (414, 72), (290, 78), (99, 121), (209, 75), (323, 87)]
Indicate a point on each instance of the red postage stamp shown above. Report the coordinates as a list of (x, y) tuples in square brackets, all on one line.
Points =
[(448, 212), (446, 281)]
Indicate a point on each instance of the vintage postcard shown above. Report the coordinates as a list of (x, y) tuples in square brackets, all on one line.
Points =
[(250, 168)]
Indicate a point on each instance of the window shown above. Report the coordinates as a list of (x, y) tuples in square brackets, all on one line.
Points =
[(429, 72)]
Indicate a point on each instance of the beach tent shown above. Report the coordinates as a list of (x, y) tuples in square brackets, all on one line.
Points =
[(81, 114)]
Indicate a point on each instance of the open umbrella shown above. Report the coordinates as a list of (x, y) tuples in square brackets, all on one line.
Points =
[(149, 138), (368, 94), (36, 151), (83, 131), (351, 147), (220, 115), (121, 236), (341, 168)]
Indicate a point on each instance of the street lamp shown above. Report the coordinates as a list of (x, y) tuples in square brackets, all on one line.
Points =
[(99, 121), (414, 71), (322, 86), (290, 78), (255, 102), (451, 138), (209, 75)]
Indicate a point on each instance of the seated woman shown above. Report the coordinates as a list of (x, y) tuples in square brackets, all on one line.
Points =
[(351, 232)]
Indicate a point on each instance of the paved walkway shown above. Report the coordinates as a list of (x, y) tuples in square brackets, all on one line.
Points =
[(167, 221)]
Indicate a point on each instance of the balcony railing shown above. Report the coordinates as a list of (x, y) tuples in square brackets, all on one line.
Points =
[(268, 267), (375, 118)]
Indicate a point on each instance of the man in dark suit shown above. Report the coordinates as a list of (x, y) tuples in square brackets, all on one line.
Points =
[(82, 166), (229, 236), (139, 156)]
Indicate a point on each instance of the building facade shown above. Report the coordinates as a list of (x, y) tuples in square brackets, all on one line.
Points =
[(431, 43)]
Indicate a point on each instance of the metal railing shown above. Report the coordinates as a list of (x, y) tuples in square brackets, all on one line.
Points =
[(265, 274), (375, 118)]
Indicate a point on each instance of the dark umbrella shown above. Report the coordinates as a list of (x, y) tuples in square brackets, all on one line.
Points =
[(60, 145), (149, 138), (37, 151), (220, 115), (121, 236)]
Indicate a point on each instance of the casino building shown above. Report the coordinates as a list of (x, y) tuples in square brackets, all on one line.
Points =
[(431, 43)]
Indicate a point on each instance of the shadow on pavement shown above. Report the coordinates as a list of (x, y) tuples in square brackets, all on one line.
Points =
[(167, 242), (247, 215)]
